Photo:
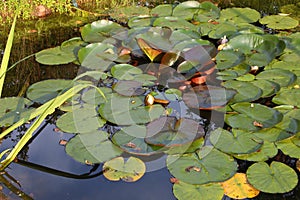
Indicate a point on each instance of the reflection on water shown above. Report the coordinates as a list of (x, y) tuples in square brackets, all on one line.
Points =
[(45, 150)]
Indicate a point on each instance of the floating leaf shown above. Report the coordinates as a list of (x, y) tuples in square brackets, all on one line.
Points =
[(228, 59), (204, 166), (128, 88), (237, 187), (208, 97), (130, 170), (279, 22), (186, 10), (140, 21), (97, 56), (267, 151), (241, 121), (173, 23), (129, 110), (184, 191), (240, 141), (276, 178), (280, 76), (92, 96), (246, 91), (125, 71), (168, 131), (272, 134), (13, 109), (268, 88), (81, 120), (288, 147), (162, 10), (208, 11), (100, 30), (268, 117), (223, 29), (55, 56), (151, 52), (93, 147), (43, 91), (246, 77), (131, 140), (288, 97), (240, 15)]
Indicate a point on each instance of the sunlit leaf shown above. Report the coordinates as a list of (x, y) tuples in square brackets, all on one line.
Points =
[(55, 56), (276, 178), (279, 22), (240, 15), (130, 170), (237, 187), (151, 52), (288, 147)]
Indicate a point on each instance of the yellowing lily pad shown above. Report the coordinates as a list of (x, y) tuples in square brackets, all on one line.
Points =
[(130, 170), (237, 187), (279, 22), (276, 178)]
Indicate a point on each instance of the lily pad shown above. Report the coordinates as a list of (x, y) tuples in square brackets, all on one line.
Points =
[(267, 151), (81, 120), (246, 91), (125, 71), (55, 56), (288, 147), (240, 15), (272, 134), (264, 115), (162, 10), (173, 23), (93, 147), (168, 131), (288, 97), (229, 59), (223, 29), (184, 191), (131, 140), (268, 88), (128, 88), (100, 30), (207, 98), (97, 56), (13, 109), (186, 10), (241, 121), (237, 187), (282, 77), (279, 22), (204, 166), (130, 170), (140, 21), (43, 91), (276, 178), (92, 96), (123, 110), (208, 11), (241, 142)]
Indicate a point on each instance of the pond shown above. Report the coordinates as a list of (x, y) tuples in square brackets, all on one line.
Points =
[(188, 102)]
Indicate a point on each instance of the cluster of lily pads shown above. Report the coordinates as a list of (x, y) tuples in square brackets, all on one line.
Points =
[(152, 79)]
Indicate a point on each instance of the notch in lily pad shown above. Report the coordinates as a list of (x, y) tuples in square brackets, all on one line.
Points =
[(130, 170)]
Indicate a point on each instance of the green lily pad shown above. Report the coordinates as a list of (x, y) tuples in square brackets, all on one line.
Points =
[(173, 23), (162, 10), (272, 134), (288, 97), (266, 151), (190, 147), (268, 88), (81, 120), (140, 21), (93, 147), (168, 131), (207, 98), (72, 44), (265, 116), (92, 96), (208, 11), (123, 110), (241, 121), (131, 140), (125, 71), (122, 14), (204, 166), (100, 30), (128, 88), (183, 191), (276, 178), (246, 77), (43, 91), (97, 56), (241, 142), (228, 59), (13, 109), (227, 75), (223, 29), (240, 15), (282, 77), (246, 91), (279, 22), (288, 147), (55, 56), (186, 9), (130, 170)]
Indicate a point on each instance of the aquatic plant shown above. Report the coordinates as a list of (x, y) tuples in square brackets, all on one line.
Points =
[(141, 90)]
